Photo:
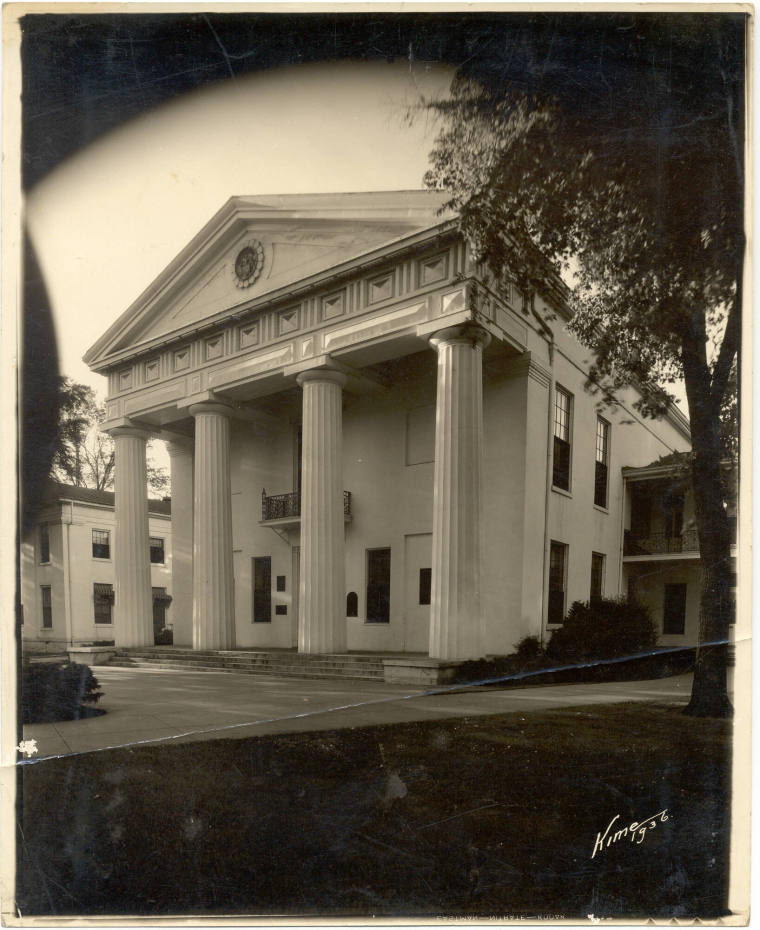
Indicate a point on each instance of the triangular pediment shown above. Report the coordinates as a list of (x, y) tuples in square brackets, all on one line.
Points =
[(257, 248)]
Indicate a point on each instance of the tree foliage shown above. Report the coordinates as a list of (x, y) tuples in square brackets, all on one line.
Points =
[(84, 456), (610, 149)]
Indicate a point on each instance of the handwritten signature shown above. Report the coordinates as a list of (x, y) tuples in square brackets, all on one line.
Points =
[(637, 830)]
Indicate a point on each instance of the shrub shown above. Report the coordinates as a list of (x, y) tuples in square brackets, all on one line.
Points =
[(529, 649), (53, 691), (605, 628)]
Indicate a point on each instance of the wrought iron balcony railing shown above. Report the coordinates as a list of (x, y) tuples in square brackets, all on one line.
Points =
[(280, 506), (660, 544)]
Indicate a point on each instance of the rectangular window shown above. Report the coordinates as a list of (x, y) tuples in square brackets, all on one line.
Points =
[(262, 589), (426, 576), (602, 462), (378, 585), (557, 579), (563, 410), (47, 607), (156, 550), (44, 543), (103, 596), (101, 544), (597, 575), (674, 609)]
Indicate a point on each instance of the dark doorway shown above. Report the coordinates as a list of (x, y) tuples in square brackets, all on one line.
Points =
[(378, 585), (161, 635), (262, 589)]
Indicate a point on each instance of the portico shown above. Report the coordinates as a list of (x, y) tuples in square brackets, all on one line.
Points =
[(359, 423), (271, 360)]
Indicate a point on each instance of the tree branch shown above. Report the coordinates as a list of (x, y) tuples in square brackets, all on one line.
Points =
[(728, 349)]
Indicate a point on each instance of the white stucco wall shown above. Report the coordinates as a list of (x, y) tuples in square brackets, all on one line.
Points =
[(72, 582)]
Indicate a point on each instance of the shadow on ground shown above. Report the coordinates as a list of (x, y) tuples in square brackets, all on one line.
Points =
[(488, 816)]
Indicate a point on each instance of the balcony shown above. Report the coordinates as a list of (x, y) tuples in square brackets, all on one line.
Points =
[(661, 544), (286, 508)]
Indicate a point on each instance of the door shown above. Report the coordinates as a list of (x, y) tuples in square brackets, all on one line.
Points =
[(418, 559), (161, 636), (378, 585)]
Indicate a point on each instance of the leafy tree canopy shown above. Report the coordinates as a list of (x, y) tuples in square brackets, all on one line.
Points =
[(613, 146), (84, 456)]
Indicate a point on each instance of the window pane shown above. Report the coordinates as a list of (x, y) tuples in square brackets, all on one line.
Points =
[(426, 575), (597, 574), (103, 597), (600, 484), (47, 607), (156, 550), (561, 469), (602, 462), (562, 414), (557, 559), (101, 544), (602, 440)]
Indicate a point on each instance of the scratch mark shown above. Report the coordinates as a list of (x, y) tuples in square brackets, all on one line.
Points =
[(221, 45)]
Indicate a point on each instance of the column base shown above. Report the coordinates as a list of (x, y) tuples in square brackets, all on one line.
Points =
[(420, 670)]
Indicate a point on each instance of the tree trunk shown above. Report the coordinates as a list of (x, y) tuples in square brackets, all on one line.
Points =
[(709, 695)]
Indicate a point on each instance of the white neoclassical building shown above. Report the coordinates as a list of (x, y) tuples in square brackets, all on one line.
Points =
[(374, 446)]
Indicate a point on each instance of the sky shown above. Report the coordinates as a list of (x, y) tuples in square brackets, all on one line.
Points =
[(109, 219)]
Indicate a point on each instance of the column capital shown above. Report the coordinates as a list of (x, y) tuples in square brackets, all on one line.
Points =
[(134, 432), (178, 446), (465, 333), (210, 406), (330, 375)]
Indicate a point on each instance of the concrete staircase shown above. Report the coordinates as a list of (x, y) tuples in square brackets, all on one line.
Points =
[(283, 663)]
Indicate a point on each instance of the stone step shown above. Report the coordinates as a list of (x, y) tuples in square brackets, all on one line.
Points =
[(318, 662), (286, 671), (240, 655)]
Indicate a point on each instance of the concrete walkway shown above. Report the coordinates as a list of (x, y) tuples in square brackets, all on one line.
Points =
[(152, 705)]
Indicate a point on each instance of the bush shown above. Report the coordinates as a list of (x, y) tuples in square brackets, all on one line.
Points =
[(605, 628), (54, 691), (529, 649)]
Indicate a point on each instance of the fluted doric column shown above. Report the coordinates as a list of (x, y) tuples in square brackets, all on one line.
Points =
[(213, 578), (133, 608), (456, 619), (322, 612), (181, 459)]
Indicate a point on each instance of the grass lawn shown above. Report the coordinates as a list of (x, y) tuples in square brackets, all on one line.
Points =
[(491, 816)]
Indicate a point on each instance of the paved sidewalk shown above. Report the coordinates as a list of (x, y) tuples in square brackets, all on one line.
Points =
[(147, 705)]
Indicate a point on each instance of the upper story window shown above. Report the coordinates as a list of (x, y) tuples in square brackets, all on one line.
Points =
[(101, 544), (601, 472), (563, 412), (156, 550), (44, 543)]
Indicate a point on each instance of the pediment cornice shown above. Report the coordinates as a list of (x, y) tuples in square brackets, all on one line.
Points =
[(305, 237)]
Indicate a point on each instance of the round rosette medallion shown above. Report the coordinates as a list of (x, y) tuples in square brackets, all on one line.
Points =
[(248, 264)]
